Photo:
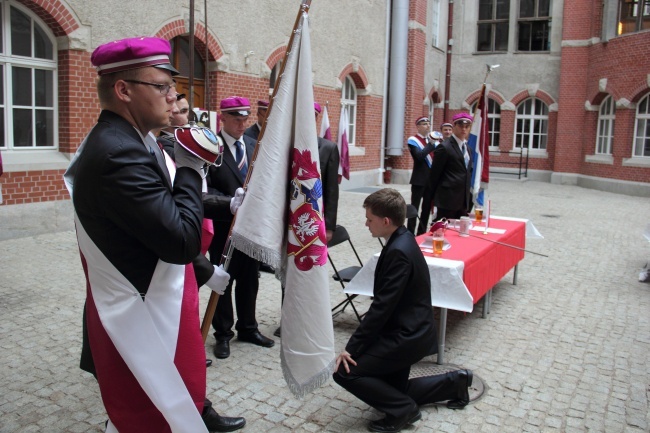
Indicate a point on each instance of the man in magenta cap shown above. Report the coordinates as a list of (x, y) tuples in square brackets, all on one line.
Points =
[(450, 177), (421, 149), (137, 234), (224, 189), (253, 131)]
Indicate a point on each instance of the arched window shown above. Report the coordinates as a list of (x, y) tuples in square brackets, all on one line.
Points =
[(531, 125), (28, 71), (349, 98), (605, 134), (642, 128), (275, 74), (494, 121)]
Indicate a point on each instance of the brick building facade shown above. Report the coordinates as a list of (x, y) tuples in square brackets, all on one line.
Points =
[(558, 90)]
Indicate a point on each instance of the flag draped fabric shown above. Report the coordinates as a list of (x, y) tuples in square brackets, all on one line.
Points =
[(325, 130), (281, 221), (342, 144), (479, 141)]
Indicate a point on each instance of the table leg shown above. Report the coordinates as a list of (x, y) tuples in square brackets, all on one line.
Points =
[(441, 336), (486, 304), (514, 276)]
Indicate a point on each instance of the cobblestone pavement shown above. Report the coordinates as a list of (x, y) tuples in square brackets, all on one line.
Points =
[(566, 350)]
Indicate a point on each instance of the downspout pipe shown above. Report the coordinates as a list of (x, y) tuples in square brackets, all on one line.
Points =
[(397, 79), (384, 108), (450, 44)]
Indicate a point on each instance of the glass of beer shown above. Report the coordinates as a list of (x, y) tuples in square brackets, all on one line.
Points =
[(478, 212), (438, 242)]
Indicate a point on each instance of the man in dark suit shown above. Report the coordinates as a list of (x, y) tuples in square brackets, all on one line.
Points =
[(223, 185), (451, 173), (179, 117), (398, 330), (421, 148), (253, 131), (137, 234)]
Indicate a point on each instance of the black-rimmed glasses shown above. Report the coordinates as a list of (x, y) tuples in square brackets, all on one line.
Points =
[(162, 88)]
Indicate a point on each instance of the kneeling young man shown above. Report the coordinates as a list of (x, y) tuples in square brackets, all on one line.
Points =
[(398, 330)]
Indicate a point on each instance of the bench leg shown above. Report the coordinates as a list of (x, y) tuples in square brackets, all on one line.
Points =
[(441, 336)]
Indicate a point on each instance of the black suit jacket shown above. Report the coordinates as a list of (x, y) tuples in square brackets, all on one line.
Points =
[(449, 179), (399, 324), (222, 183), (328, 153), (128, 208), (253, 131), (421, 169)]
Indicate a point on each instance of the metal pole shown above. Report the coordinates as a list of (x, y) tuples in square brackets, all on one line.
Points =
[(206, 78), (191, 77)]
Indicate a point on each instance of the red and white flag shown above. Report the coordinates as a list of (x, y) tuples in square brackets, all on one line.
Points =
[(342, 144), (325, 130), (289, 145)]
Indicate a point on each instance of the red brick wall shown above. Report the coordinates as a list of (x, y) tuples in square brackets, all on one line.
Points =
[(35, 186)]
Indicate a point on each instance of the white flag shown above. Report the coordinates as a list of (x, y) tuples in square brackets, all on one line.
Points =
[(325, 130), (289, 146)]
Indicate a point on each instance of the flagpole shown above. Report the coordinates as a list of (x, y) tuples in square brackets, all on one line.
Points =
[(228, 249)]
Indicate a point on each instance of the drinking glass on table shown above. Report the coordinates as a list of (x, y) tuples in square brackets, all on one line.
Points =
[(438, 243), (478, 213)]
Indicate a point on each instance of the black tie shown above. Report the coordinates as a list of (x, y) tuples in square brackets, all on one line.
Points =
[(240, 156)]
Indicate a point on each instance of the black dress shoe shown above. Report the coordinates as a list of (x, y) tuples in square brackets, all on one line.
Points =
[(266, 268), (393, 424), (217, 423), (278, 332), (222, 349), (208, 362), (256, 338), (465, 378)]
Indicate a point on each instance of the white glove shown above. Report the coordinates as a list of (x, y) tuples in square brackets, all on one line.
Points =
[(184, 158), (219, 280), (237, 200)]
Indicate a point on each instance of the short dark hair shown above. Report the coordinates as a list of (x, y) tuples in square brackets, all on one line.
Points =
[(180, 96), (387, 203)]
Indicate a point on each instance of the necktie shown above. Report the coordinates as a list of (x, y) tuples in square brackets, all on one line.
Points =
[(465, 154), (240, 156)]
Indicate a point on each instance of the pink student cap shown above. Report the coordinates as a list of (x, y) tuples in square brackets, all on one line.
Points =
[(446, 124), (462, 118), (235, 105), (262, 104), (132, 53), (317, 108), (421, 119)]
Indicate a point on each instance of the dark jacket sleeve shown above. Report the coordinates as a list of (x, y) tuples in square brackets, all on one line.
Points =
[(419, 154)]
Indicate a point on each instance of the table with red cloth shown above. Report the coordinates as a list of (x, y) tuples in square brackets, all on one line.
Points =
[(466, 271)]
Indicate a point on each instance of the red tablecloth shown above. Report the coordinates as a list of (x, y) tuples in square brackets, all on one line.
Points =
[(485, 262)]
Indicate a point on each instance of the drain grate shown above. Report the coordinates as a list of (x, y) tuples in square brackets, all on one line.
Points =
[(428, 368)]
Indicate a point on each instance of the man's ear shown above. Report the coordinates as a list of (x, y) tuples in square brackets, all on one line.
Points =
[(122, 91)]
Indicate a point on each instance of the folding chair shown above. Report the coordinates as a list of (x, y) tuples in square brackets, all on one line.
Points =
[(344, 275), (411, 212)]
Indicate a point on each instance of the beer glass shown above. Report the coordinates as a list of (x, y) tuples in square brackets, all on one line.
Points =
[(478, 212), (438, 243)]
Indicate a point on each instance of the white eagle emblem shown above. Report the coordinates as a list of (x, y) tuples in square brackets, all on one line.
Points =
[(307, 226)]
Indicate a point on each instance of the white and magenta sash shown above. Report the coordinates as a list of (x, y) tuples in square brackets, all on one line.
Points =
[(419, 142)]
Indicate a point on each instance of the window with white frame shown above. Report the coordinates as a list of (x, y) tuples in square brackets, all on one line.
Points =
[(534, 25), (349, 99), (605, 133), (531, 125), (642, 128), (275, 74), (494, 121), (28, 71), (493, 24), (435, 24)]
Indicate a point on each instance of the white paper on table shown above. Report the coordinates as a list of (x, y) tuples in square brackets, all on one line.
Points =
[(447, 287), (489, 230), (531, 230)]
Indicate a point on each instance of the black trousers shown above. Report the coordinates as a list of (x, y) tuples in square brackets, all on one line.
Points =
[(416, 197), (384, 384), (243, 277)]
